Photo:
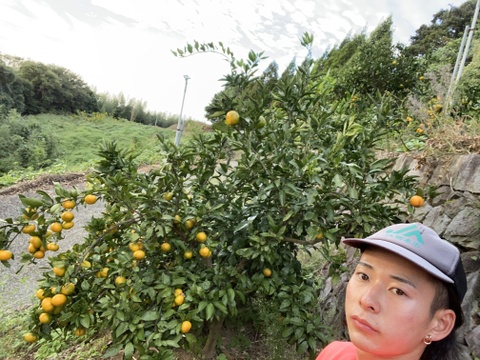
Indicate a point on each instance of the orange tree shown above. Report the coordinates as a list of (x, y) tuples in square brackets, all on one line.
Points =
[(181, 249)]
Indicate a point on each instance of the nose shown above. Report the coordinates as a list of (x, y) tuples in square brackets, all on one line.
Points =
[(370, 298)]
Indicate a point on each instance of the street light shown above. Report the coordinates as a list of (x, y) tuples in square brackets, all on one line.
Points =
[(181, 122)]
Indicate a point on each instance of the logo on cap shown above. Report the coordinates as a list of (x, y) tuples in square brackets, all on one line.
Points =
[(409, 235)]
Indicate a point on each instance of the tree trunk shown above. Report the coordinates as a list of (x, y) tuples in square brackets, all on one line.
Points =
[(215, 329)]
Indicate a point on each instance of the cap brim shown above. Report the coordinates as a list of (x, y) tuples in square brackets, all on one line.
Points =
[(407, 254)]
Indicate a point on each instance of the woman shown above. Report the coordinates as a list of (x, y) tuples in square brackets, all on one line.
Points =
[(403, 299)]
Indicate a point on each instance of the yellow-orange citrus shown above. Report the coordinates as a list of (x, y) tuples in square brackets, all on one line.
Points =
[(104, 272), (28, 229), (319, 236), (47, 305), (120, 280), (205, 252), (86, 264), (417, 201), (67, 216), (90, 199), (168, 196), (39, 254), (139, 254), (68, 204), (59, 271), (56, 227), (166, 247), (59, 300), (53, 247), (189, 224), (134, 247), (178, 292), (39, 294), (36, 242), (29, 337), (179, 300), (267, 272), (5, 255), (232, 118), (79, 331), (188, 254), (68, 289), (201, 237), (177, 219), (31, 249), (67, 225), (45, 318), (186, 327)]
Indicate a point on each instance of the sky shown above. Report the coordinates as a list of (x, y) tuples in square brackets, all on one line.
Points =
[(125, 46)]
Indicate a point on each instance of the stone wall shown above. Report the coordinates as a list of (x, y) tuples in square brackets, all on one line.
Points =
[(454, 213)]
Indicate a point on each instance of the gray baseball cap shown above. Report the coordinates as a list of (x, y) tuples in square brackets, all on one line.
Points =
[(422, 246)]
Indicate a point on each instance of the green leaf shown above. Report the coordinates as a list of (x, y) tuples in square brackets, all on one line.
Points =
[(129, 349), (112, 351), (210, 310), (121, 329), (150, 316)]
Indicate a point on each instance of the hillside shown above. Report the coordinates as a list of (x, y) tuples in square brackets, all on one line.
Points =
[(76, 141)]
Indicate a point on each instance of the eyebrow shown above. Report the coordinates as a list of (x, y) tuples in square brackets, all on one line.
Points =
[(394, 277)]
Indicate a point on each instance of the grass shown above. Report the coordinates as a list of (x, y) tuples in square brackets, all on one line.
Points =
[(78, 139)]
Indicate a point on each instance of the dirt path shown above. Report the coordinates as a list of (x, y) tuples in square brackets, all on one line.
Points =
[(18, 290)]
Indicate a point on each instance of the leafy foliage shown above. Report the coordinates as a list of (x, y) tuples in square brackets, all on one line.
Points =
[(223, 219)]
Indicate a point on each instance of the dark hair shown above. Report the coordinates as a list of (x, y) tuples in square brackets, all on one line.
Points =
[(446, 297)]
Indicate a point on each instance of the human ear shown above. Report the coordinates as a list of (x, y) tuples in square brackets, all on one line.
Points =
[(442, 324)]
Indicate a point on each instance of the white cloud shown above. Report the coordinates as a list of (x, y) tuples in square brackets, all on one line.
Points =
[(124, 45)]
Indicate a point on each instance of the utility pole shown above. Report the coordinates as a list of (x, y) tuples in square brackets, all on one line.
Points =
[(181, 121), (457, 75)]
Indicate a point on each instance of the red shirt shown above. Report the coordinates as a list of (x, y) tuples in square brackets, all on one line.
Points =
[(338, 350)]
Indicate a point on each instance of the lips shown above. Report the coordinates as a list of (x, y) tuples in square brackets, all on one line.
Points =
[(363, 324)]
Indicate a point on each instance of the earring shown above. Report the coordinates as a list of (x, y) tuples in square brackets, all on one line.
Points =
[(427, 340)]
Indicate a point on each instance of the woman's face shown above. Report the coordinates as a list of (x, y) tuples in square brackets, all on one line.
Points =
[(388, 306)]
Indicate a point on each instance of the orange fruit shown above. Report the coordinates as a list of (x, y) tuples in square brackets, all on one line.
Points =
[(59, 271), (179, 300), (166, 247), (45, 318), (186, 327), (47, 305), (5, 255), (79, 331), (139, 254), (59, 300), (232, 118), (178, 292), (134, 247), (319, 236), (68, 289), (68, 204), (90, 199), (201, 237), (39, 254), (188, 254), (177, 219), (36, 242), (267, 272), (29, 337), (168, 196), (28, 229), (30, 213), (39, 294), (31, 249), (53, 247), (56, 227), (104, 272), (205, 252), (120, 280), (189, 224), (67, 225), (417, 201), (67, 216), (86, 264)]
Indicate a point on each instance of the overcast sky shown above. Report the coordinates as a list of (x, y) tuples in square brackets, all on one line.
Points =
[(125, 46)]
